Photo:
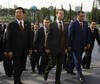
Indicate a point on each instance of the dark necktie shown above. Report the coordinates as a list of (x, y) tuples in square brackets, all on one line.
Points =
[(21, 27), (60, 26), (47, 30), (46, 34), (92, 30)]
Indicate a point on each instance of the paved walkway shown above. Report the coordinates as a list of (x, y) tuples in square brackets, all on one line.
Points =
[(91, 76)]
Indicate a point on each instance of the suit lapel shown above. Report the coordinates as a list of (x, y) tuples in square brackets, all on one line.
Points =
[(43, 32), (79, 25), (56, 26), (16, 23), (17, 26), (64, 26), (25, 25), (84, 25)]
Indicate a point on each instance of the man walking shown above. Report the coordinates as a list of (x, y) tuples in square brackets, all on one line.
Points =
[(78, 42), (56, 45), (19, 43)]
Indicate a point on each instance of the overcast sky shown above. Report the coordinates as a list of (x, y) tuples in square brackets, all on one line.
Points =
[(87, 4)]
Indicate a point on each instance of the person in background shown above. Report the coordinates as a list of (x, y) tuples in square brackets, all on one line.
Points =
[(41, 44), (94, 35), (35, 55), (2, 31), (7, 62), (2, 28)]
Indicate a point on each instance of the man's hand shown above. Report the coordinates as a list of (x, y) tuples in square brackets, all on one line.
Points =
[(35, 51), (47, 51), (5, 54), (30, 52), (10, 54), (85, 48), (69, 48), (65, 51), (88, 46)]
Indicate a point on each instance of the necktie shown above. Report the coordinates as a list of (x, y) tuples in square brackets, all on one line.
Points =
[(81, 24), (35, 32), (47, 30), (46, 34), (21, 27), (60, 26)]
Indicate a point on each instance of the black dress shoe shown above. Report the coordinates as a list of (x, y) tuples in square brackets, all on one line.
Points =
[(87, 68), (40, 73), (58, 82), (33, 71), (21, 82), (72, 73), (83, 65), (45, 76), (9, 75), (81, 80)]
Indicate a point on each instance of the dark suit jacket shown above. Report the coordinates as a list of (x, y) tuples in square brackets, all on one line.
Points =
[(78, 37), (40, 40), (17, 40), (93, 36), (56, 40), (2, 29)]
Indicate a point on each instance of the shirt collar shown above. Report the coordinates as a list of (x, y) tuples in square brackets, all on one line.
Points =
[(59, 21), (44, 27), (20, 21), (91, 28), (79, 21)]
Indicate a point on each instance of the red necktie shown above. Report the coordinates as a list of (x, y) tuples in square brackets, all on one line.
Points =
[(81, 24), (21, 27)]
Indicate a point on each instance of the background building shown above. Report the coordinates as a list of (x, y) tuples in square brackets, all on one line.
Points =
[(0, 6), (77, 8)]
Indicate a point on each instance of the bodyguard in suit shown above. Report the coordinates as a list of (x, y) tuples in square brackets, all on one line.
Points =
[(41, 43), (7, 62), (19, 43), (56, 45), (94, 35), (2, 28), (78, 42), (34, 59)]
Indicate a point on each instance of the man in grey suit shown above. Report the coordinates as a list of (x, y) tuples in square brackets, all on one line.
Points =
[(19, 43), (56, 45)]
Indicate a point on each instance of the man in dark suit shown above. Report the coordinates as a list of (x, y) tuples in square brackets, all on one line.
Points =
[(19, 43), (77, 42), (94, 35), (40, 45), (7, 62), (2, 28), (56, 45), (34, 59)]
